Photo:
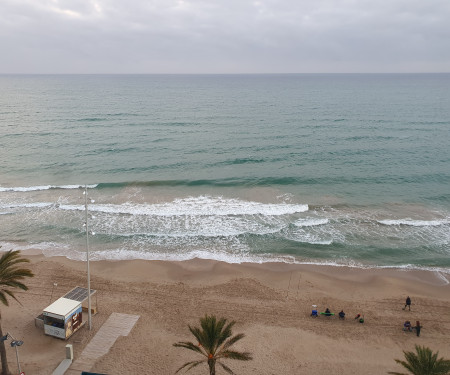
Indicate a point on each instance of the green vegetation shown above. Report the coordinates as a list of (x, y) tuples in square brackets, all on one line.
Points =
[(10, 278), (424, 362), (214, 341)]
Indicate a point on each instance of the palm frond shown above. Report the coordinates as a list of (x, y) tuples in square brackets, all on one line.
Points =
[(190, 346), (212, 332), (226, 368), (424, 361), (232, 341), (11, 275), (9, 293), (215, 338), (241, 356), (198, 334), (191, 365), (11, 258), (226, 332), (3, 299), (14, 284)]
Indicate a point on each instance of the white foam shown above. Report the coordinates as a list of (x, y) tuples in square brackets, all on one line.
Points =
[(233, 258), (200, 231), (415, 223), (197, 206), (319, 242), (121, 254), (190, 226), (28, 205), (444, 278), (44, 187), (41, 246), (310, 222)]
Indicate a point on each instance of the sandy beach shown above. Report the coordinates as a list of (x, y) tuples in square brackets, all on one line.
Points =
[(271, 304)]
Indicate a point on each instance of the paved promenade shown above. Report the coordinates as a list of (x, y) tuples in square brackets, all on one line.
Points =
[(116, 325)]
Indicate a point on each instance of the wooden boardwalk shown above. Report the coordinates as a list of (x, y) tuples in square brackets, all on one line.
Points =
[(116, 325)]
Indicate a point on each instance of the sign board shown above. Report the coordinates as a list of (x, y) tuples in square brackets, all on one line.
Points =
[(73, 321)]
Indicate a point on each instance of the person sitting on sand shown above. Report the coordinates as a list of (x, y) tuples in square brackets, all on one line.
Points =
[(342, 314), (359, 318), (407, 326), (328, 312)]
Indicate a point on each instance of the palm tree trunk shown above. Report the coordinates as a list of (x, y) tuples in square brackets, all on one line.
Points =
[(5, 369), (212, 366)]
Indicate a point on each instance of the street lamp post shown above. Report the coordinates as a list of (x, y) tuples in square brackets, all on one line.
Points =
[(87, 258), (51, 296), (14, 344)]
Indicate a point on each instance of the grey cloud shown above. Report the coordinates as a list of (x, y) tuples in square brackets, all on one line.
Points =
[(176, 36)]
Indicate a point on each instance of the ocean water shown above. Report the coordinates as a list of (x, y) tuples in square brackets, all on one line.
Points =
[(335, 169)]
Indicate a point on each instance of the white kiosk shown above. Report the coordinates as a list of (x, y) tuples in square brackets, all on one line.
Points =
[(62, 318)]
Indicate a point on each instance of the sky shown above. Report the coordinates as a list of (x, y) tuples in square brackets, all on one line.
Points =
[(224, 36)]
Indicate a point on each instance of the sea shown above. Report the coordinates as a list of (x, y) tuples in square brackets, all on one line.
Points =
[(337, 169)]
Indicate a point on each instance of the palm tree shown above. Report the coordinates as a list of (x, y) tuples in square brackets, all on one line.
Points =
[(425, 362), (10, 277), (214, 342)]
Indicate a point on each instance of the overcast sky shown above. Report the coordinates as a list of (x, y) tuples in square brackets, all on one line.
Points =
[(224, 36)]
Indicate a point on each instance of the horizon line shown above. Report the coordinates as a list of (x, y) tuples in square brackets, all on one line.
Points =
[(267, 73)]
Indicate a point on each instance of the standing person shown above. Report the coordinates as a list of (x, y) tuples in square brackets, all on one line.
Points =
[(418, 327), (408, 303)]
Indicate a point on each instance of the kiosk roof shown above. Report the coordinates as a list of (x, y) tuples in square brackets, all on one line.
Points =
[(62, 306)]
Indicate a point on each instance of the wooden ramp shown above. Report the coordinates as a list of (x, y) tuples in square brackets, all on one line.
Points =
[(116, 325)]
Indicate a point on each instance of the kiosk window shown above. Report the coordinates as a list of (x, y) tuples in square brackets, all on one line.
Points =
[(50, 321)]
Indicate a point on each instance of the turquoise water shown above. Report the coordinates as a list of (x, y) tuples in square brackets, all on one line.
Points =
[(339, 169)]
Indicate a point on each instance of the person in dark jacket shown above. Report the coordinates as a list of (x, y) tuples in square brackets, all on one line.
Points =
[(408, 303), (418, 327)]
